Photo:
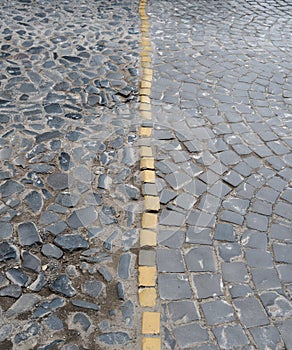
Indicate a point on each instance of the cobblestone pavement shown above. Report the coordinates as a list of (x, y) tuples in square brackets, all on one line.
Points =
[(221, 103), (69, 179)]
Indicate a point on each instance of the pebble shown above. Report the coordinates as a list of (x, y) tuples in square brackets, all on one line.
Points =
[(30, 262)]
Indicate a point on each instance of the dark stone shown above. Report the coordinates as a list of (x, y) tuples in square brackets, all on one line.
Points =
[(71, 242), (82, 217), (114, 338), (85, 305), (53, 108), (48, 135), (124, 265), (107, 215), (39, 283), (217, 312), (7, 252), (31, 331), (83, 320), (230, 337), (13, 291), (34, 201), (59, 181), (28, 234), (174, 286), (51, 251), (73, 59), (31, 262), (224, 232), (54, 323), (190, 334), (74, 116), (64, 160), (93, 288), (17, 276), (184, 311), (63, 285), (68, 199), (10, 187)]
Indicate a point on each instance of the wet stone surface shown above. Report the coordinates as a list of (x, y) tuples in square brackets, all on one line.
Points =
[(68, 126), (221, 103)]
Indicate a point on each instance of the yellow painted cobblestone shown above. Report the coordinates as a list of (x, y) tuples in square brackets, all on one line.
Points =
[(151, 344), (148, 238), (147, 276), (150, 322)]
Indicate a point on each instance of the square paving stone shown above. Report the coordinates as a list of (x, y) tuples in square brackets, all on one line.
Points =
[(196, 187), (170, 260), (229, 158), (285, 330), (250, 312), (224, 232), (198, 235), (208, 285), (240, 290), (232, 217), (281, 232), (201, 259), (262, 207), (230, 337), (178, 179), (267, 194), (285, 272), (254, 239), (183, 311), (185, 201), (235, 272), (259, 258), (171, 238), (237, 205), (174, 286), (265, 279), (276, 303), (229, 251), (189, 335), (257, 221), (217, 312), (171, 218), (267, 337), (284, 210), (201, 219)]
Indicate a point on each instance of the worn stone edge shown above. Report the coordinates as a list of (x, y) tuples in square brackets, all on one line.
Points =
[(147, 267)]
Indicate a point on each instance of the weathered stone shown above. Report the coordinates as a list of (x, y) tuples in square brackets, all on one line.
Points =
[(62, 285), (51, 251), (28, 234), (13, 290), (25, 303), (93, 288), (82, 217), (34, 201), (59, 181), (114, 338), (10, 187), (7, 252), (71, 242), (31, 262)]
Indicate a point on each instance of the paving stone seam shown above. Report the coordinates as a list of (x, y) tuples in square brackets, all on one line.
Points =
[(147, 268)]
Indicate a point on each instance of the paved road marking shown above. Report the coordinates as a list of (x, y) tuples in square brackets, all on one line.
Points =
[(148, 236)]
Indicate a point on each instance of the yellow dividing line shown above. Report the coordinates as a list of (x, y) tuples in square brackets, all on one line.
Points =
[(147, 278)]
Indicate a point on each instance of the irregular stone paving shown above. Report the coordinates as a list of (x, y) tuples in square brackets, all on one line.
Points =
[(221, 103), (69, 179)]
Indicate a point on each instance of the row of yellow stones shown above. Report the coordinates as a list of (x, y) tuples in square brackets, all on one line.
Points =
[(147, 258)]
